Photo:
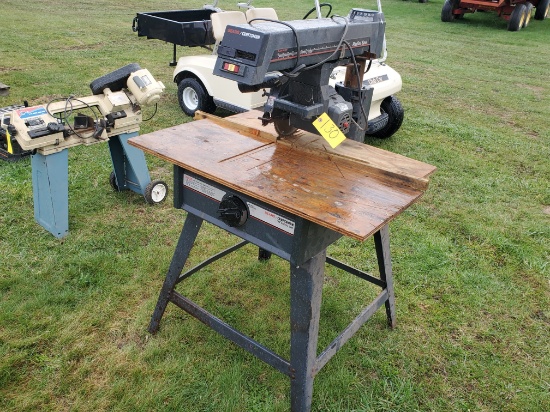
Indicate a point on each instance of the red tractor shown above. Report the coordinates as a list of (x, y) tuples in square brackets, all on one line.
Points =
[(517, 12)]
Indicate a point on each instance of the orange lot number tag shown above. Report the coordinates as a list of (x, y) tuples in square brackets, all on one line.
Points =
[(328, 129)]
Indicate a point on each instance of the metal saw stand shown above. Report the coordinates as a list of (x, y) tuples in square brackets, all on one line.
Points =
[(50, 181), (306, 253), (291, 197)]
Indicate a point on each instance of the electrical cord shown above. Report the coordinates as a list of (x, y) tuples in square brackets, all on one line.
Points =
[(65, 114), (298, 68), (293, 31), (153, 115), (342, 40)]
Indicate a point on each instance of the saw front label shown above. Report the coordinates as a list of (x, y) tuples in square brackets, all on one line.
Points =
[(271, 218), (203, 188)]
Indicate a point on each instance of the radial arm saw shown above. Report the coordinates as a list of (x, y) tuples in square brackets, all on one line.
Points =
[(294, 60)]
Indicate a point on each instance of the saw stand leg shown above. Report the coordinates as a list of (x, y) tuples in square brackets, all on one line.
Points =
[(129, 165), (306, 287), (50, 188)]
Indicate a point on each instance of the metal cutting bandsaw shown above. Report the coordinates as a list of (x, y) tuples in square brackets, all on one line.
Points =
[(294, 59), (113, 109), (113, 114)]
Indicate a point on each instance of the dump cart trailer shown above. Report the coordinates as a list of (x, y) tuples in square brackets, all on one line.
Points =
[(517, 12)]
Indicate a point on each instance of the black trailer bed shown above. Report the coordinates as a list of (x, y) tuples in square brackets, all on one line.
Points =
[(180, 27)]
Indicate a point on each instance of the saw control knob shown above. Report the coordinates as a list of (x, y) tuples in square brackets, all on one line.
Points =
[(233, 211)]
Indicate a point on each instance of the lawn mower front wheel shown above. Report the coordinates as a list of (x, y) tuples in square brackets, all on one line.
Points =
[(542, 10), (447, 12), (517, 18), (393, 108), (192, 96)]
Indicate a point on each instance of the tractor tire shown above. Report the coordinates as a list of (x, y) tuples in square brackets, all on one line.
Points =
[(192, 96), (115, 81), (528, 13), (447, 11), (517, 18), (393, 108), (542, 10)]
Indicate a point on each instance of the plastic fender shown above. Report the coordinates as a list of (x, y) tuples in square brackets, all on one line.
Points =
[(219, 88), (200, 66), (385, 81)]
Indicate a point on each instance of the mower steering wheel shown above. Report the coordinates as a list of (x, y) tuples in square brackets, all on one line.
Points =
[(320, 7)]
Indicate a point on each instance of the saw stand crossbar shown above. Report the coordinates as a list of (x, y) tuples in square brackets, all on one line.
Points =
[(297, 240), (50, 181)]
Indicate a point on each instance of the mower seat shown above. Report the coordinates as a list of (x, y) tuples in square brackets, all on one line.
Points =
[(222, 19), (261, 13)]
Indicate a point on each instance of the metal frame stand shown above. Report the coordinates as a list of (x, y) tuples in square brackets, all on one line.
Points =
[(50, 181), (306, 284), (50, 189), (129, 164)]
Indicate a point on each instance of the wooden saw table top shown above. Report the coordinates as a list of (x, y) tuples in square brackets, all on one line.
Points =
[(353, 189)]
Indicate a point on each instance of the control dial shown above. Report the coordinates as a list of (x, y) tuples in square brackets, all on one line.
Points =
[(233, 211)]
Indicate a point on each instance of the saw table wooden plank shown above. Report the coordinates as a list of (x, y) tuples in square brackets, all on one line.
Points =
[(335, 192), (377, 161)]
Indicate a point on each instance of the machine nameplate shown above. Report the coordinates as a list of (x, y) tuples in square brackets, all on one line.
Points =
[(273, 219), (203, 188), (376, 79), (29, 112)]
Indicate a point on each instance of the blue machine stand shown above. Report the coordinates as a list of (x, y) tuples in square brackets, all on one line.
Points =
[(50, 188), (50, 181), (130, 170)]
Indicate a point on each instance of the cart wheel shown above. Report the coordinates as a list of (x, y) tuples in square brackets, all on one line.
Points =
[(155, 192), (192, 96), (447, 11), (517, 18), (542, 10), (115, 80), (528, 12), (396, 113), (422, 1), (113, 182)]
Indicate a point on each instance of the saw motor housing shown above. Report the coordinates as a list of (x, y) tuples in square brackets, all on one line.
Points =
[(294, 60)]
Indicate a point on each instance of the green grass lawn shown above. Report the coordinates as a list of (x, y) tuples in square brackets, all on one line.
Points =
[(470, 260)]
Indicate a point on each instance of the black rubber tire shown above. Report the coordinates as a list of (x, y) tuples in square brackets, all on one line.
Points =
[(113, 182), (192, 96), (156, 192), (396, 114), (447, 11), (542, 10), (528, 14), (517, 18), (422, 1), (115, 80)]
